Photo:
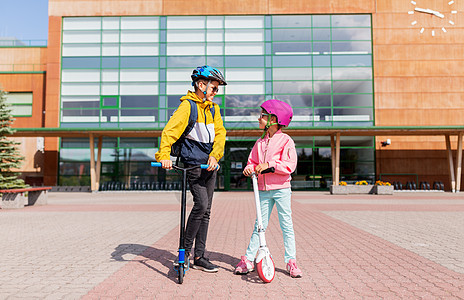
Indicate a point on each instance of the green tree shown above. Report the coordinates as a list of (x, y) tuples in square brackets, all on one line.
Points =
[(10, 157)]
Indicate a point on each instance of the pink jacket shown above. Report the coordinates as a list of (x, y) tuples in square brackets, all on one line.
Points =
[(279, 152)]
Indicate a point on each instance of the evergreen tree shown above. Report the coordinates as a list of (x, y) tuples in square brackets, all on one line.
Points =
[(10, 158)]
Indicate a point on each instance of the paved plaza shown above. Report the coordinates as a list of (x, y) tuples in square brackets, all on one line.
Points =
[(121, 245)]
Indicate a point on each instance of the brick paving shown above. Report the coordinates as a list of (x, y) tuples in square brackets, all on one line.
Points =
[(121, 246)]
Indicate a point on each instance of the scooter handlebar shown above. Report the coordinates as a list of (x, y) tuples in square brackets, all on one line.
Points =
[(158, 164), (268, 170)]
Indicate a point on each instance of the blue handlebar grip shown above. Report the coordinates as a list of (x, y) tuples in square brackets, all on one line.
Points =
[(155, 164), (203, 166)]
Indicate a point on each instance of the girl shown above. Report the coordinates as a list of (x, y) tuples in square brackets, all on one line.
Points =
[(274, 149)]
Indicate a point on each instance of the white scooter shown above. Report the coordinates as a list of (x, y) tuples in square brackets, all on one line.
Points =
[(264, 263)]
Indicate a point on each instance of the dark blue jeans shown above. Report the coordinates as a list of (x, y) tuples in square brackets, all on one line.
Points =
[(202, 185)]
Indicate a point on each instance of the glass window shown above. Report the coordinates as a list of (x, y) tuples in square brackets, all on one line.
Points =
[(244, 48), (90, 75), (354, 47), (344, 87), (295, 87), (186, 49), (352, 60), (349, 34), (110, 62), (244, 22), (135, 88), (110, 36), (322, 100), (110, 22), (292, 61), (351, 21), (353, 100), (252, 101), (291, 34), (79, 36), (244, 74), (352, 73), (139, 101), (80, 88), (241, 88), (139, 49), (80, 62), (244, 61), (184, 36), (321, 34), (295, 48), (81, 23), (321, 21), (244, 35), (190, 22), (139, 23), (139, 62), (139, 75), (292, 73), (81, 50), (139, 36), (291, 21)]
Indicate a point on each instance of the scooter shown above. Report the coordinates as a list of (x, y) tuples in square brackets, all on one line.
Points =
[(264, 262), (182, 263)]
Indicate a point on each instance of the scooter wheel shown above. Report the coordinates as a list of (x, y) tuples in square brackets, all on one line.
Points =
[(180, 273), (266, 269)]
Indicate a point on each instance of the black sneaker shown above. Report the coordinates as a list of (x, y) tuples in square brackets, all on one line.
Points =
[(205, 265)]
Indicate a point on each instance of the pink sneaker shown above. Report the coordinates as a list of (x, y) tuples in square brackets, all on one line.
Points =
[(244, 266), (293, 269)]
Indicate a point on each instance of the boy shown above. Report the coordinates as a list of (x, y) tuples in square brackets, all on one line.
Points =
[(203, 145)]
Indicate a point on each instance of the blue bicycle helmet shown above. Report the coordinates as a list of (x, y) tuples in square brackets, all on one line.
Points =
[(208, 73)]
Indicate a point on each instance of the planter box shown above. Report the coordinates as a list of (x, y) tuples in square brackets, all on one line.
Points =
[(361, 189), (384, 189)]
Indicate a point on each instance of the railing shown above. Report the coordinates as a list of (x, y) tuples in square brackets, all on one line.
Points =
[(13, 68), (22, 43)]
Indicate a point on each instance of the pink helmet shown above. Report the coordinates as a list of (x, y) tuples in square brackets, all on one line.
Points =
[(282, 110)]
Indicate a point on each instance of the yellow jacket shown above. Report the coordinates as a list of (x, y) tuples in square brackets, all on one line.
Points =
[(207, 137)]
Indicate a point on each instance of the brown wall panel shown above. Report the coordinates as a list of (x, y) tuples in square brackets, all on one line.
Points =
[(436, 52), (215, 7), (419, 117), (320, 6), (110, 7), (424, 100), (430, 68), (27, 83)]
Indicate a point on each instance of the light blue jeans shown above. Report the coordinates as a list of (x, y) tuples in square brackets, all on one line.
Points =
[(282, 199)]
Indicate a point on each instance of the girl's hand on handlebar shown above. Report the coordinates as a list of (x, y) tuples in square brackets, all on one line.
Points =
[(248, 172), (166, 164), (261, 167), (213, 164)]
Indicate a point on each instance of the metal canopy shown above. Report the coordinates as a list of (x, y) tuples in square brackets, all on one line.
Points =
[(334, 132)]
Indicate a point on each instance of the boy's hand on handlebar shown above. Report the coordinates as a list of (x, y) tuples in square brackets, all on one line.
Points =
[(261, 167), (166, 164), (212, 163)]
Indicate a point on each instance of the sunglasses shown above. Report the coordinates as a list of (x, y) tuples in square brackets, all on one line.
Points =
[(215, 90), (263, 114)]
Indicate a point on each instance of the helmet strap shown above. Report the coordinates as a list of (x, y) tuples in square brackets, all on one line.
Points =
[(206, 89), (269, 124)]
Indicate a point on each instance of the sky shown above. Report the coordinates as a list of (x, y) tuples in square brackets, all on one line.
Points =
[(24, 19)]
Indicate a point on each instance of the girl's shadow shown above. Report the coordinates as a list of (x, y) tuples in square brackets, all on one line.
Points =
[(166, 258)]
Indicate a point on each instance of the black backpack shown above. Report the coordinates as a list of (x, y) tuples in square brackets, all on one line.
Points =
[(177, 146)]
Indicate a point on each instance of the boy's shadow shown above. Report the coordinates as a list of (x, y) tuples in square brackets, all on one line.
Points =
[(148, 253), (166, 258)]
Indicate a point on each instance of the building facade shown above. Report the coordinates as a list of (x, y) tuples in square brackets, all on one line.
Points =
[(124, 66)]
